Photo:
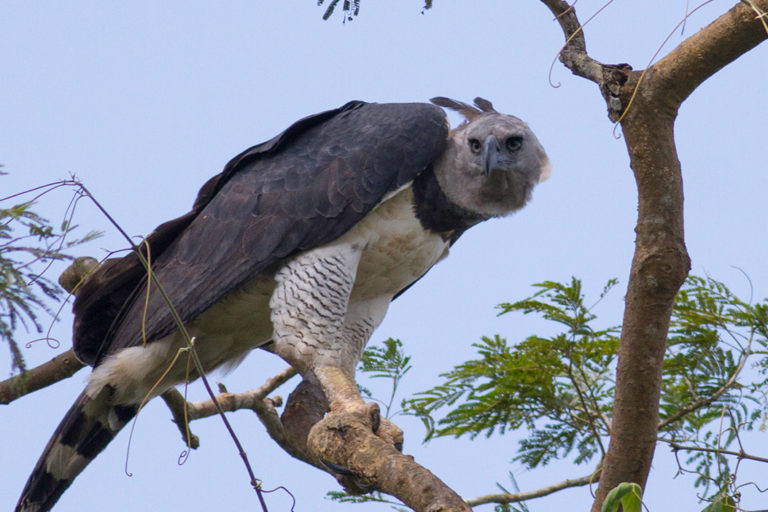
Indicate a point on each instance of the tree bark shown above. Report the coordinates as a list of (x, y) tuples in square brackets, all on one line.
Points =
[(647, 105), (661, 262)]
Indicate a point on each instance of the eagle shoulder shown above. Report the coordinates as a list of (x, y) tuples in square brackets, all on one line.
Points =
[(302, 189)]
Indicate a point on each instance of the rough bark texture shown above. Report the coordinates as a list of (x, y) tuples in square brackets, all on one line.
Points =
[(347, 440), (659, 267), (660, 263)]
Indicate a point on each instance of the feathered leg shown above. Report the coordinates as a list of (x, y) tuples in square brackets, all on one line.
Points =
[(321, 326)]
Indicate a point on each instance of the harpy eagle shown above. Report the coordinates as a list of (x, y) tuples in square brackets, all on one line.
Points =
[(300, 243)]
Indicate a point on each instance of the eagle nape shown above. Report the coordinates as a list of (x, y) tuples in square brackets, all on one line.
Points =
[(300, 243)]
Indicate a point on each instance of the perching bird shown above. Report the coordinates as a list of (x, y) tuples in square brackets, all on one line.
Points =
[(301, 243)]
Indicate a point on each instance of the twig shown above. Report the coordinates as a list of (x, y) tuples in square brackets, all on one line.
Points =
[(252, 400), (574, 54), (740, 454), (705, 401), (544, 491)]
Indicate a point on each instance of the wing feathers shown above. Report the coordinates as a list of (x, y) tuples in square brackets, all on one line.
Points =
[(304, 188)]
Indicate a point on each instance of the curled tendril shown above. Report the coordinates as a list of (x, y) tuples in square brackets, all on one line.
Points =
[(284, 489), (50, 341), (183, 457)]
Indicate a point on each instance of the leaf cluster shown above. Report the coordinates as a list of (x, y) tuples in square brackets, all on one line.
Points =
[(29, 245), (389, 362), (559, 388), (710, 393), (351, 8)]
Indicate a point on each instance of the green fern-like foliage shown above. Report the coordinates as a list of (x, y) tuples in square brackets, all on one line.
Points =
[(558, 388), (29, 244), (350, 9)]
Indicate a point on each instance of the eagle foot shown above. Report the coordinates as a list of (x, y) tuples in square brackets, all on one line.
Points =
[(346, 430)]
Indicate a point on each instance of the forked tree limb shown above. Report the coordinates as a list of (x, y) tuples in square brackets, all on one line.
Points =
[(646, 103), (709, 50), (255, 400), (344, 440)]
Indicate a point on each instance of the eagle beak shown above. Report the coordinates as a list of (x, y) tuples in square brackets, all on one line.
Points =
[(491, 154)]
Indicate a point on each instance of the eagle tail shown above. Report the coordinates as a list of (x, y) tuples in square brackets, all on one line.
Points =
[(87, 428)]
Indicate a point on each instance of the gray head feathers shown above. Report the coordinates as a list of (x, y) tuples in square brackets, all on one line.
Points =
[(492, 162)]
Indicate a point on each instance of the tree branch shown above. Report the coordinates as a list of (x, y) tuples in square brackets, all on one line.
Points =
[(252, 400), (660, 263), (59, 368), (706, 52), (740, 454), (544, 491), (574, 54), (345, 440)]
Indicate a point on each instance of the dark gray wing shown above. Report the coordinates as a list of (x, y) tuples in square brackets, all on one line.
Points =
[(304, 188)]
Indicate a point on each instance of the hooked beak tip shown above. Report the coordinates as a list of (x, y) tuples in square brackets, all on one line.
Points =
[(491, 153)]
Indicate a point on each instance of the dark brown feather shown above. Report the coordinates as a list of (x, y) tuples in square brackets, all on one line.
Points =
[(485, 105), (468, 111)]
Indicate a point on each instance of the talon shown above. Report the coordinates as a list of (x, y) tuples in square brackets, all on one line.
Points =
[(344, 471), (364, 486), (337, 468), (375, 415)]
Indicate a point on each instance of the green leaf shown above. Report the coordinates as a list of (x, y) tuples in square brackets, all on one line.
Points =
[(385, 362), (723, 503), (627, 494)]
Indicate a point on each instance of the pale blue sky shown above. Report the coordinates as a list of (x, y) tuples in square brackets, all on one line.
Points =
[(144, 101)]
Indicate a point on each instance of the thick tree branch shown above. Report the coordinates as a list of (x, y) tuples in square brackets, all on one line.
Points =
[(347, 440), (660, 263), (529, 495), (709, 50), (59, 368)]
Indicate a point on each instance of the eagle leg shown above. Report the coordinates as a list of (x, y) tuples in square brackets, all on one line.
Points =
[(343, 395), (347, 412), (320, 327)]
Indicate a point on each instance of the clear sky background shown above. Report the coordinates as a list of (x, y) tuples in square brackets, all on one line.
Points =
[(145, 100)]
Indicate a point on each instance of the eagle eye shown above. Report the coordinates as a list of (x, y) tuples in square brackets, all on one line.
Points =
[(513, 143), (475, 145)]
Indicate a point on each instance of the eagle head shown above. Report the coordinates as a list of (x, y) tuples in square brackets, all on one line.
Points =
[(492, 161)]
